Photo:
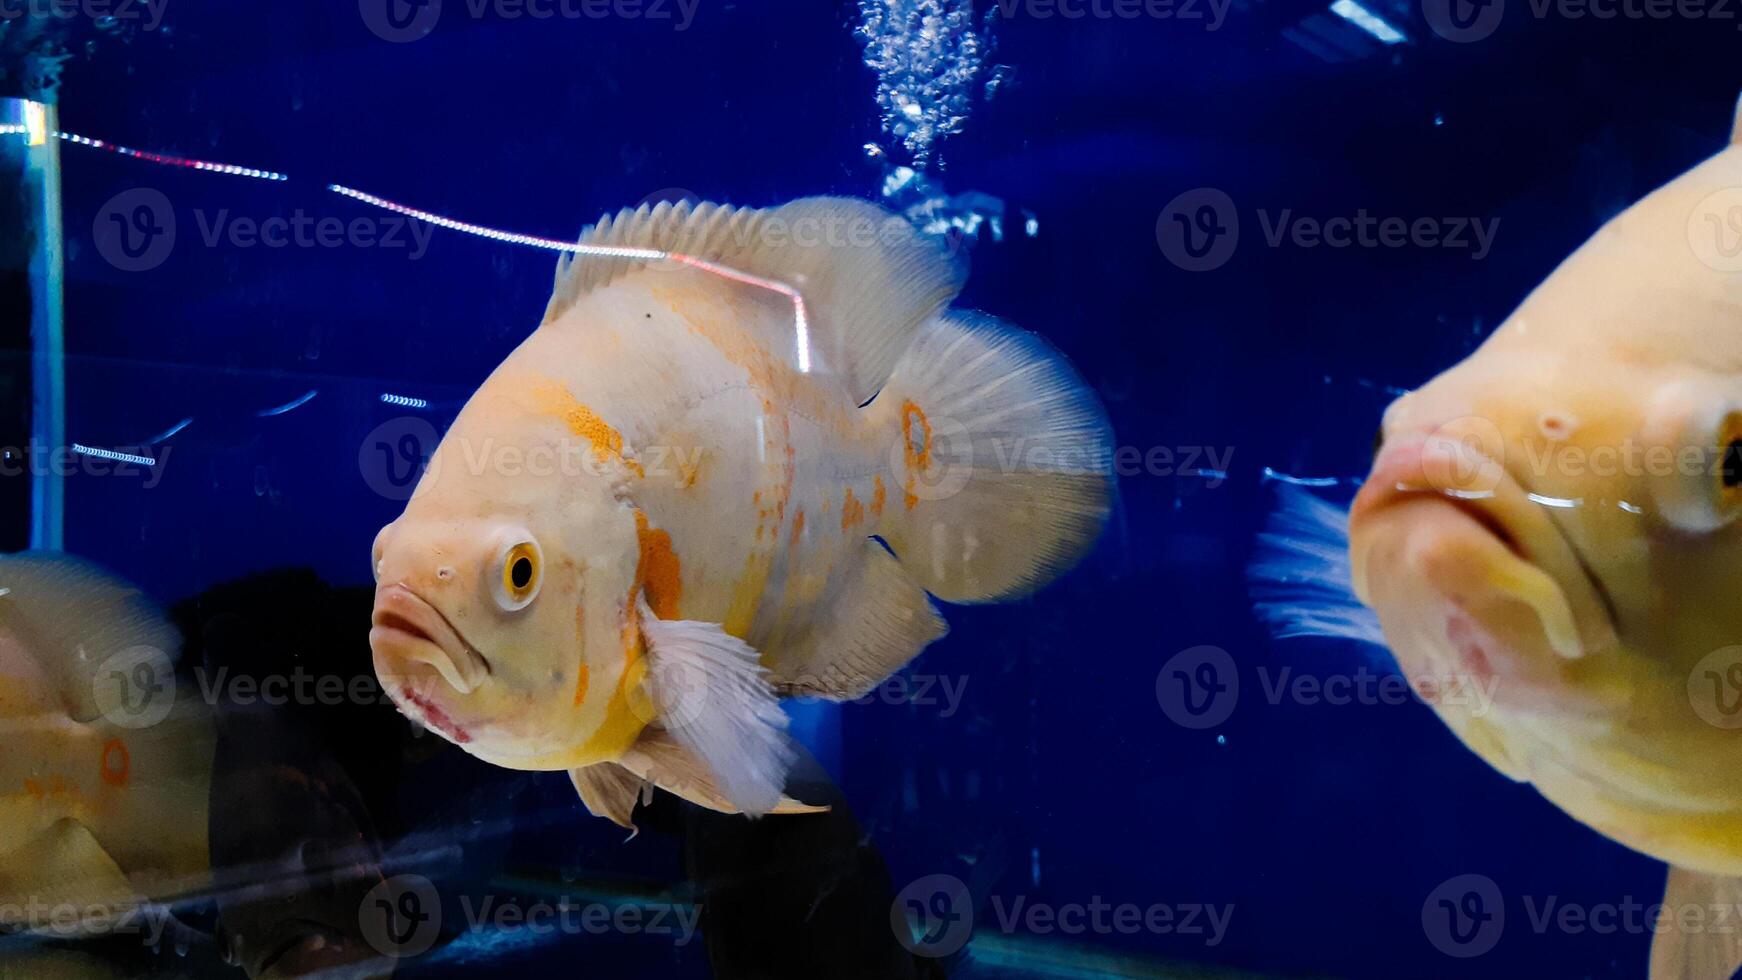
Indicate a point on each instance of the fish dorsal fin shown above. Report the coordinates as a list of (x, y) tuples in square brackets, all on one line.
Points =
[(868, 278), (82, 624)]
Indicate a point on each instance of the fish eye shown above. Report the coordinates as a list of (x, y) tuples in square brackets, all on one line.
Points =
[(1695, 428), (519, 573)]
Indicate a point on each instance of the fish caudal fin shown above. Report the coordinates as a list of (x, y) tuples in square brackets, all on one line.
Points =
[(868, 278), (1701, 951), (82, 623), (712, 698), (1002, 457)]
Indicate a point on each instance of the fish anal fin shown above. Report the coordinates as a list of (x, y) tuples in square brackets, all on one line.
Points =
[(1700, 953), (877, 620), (868, 278)]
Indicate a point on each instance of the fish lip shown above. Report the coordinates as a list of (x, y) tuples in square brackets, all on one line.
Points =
[(1493, 509), (402, 617)]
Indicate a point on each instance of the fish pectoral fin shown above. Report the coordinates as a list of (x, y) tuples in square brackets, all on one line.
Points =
[(659, 759), (1702, 951), (608, 790), (712, 699)]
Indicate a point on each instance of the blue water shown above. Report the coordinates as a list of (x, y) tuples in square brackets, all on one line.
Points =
[(1058, 778)]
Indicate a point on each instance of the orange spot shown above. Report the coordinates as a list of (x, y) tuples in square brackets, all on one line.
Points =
[(916, 454), (606, 442), (852, 511), (34, 788), (117, 763), (659, 573), (797, 525), (580, 644), (878, 493)]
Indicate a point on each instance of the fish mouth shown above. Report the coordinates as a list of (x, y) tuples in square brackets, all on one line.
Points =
[(406, 627), (1470, 570)]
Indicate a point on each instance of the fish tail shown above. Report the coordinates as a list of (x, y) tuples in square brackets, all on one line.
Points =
[(1002, 458)]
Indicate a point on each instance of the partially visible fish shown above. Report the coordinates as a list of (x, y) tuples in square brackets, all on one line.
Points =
[(682, 498), (1556, 517), (105, 767)]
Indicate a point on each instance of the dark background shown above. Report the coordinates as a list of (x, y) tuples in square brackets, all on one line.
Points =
[(1060, 779)]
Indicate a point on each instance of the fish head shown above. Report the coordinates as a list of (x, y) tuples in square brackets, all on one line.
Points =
[(500, 591), (1486, 571), (1560, 531)]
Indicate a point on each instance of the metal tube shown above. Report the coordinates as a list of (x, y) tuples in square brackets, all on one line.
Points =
[(40, 199)]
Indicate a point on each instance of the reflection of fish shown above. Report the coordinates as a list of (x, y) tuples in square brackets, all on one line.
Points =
[(103, 806), (1554, 519), (123, 794), (664, 508)]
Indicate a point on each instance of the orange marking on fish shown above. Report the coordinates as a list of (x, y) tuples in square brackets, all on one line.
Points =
[(797, 525), (658, 572), (34, 788), (606, 442), (917, 457), (852, 511), (878, 493), (581, 674), (117, 762)]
